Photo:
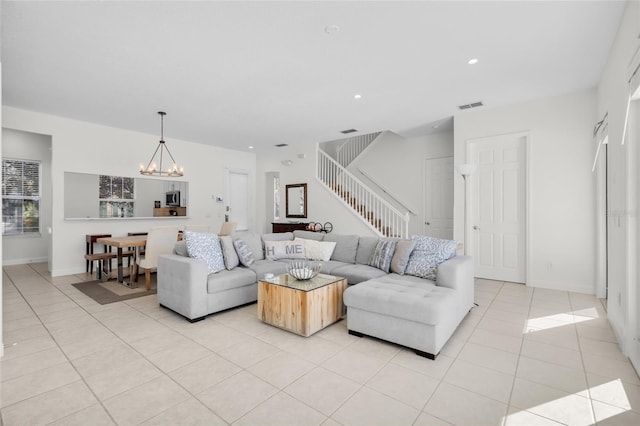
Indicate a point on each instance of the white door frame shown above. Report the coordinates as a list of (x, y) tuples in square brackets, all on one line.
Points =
[(527, 197), (227, 187)]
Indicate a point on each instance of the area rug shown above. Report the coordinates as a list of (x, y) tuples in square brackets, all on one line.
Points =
[(105, 292)]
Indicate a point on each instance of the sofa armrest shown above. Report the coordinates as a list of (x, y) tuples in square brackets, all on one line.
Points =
[(455, 272), (182, 285)]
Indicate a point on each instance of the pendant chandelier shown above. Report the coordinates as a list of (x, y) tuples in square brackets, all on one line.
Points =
[(155, 169)]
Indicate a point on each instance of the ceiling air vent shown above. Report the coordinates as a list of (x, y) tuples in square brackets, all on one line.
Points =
[(346, 132), (471, 105), (280, 145)]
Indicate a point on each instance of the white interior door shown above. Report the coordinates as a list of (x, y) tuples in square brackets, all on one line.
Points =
[(438, 198), (497, 207), (239, 198)]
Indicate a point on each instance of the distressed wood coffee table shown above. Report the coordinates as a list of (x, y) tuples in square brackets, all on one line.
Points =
[(302, 307)]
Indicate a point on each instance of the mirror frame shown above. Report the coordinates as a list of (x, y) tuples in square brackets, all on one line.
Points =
[(304, 207)]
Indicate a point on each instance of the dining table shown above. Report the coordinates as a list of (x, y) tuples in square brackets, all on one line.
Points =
[(120, 244)]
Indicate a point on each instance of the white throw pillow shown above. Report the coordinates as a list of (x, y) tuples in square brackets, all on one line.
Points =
[(318, 250), (275, 250)]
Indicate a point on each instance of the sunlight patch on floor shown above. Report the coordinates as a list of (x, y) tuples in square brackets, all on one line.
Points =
[(572, 409), (555, 320)]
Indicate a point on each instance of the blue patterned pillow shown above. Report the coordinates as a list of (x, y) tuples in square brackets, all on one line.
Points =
[(427, 254), (244, 252), (383, 254), (205, 247)]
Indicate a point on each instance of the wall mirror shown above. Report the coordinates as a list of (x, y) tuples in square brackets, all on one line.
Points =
[(296, 195), (92, 196)]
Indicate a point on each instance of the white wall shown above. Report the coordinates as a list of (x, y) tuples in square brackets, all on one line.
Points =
[(30, 146), (622, 306), (89, 148), (393, 160), (561, 198)]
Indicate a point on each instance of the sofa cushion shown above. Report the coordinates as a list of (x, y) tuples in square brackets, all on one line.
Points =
[(254, 241), (245, 255), (427, 254), (277, 236), (346, 247), (355, 273), (262, 267), (275, 250), (231, 259), (401, 256), (205, 247), (227, 280), (329, 266), (403, 297), (308, 235), (317, 250), (383, 254), (366, 247)]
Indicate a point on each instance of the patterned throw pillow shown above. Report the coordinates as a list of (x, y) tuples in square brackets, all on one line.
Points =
[(231, 259), (205, 247), (381, 258), (275, 250), (404, 248), (427, 254), (244, 252)]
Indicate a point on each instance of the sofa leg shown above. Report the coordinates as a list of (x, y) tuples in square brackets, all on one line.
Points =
[(188, 319), (356, 333), (426, 354), (196, 319)]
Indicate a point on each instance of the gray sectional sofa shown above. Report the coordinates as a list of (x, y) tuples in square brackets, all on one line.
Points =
[(408, 310)]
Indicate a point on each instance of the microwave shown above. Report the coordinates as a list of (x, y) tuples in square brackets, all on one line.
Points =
[(172, 199)]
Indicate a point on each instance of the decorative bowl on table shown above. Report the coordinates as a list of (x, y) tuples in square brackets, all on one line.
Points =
[(303, 270)]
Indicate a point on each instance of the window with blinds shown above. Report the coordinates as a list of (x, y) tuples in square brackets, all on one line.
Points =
[(20, 197)]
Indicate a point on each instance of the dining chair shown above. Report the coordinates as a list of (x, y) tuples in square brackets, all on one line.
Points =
[(160, 240), (197, 228), (227, 228)]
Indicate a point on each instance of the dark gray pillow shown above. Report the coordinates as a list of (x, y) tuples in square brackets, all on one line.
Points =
[(181, 248), (366, 247), (231, 259), (381, 258), (401, 256), (346, 247)]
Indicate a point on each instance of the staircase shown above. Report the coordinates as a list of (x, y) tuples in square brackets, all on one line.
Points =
[(376, 212), (352, 147)]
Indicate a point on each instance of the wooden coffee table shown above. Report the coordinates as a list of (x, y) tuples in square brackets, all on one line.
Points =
[(302, 307)]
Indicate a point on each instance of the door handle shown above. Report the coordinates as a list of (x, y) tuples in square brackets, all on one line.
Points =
[(427, 223), (476, 227)]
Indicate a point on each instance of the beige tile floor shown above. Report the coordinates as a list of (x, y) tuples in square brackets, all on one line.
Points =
[(523, 357)]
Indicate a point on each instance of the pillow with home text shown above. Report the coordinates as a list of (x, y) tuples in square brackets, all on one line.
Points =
[(274, 250)]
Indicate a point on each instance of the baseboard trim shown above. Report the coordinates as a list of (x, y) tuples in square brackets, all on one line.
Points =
[(24, 261)]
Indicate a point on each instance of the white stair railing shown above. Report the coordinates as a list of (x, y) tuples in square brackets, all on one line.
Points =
[(375, 211), (352, 147)]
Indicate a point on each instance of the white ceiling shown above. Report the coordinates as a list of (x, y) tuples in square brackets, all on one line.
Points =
[(235, 74)]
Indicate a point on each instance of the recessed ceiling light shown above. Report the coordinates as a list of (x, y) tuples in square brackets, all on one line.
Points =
[(472, 61), (357, 96), (250, 146), (331, 29)]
